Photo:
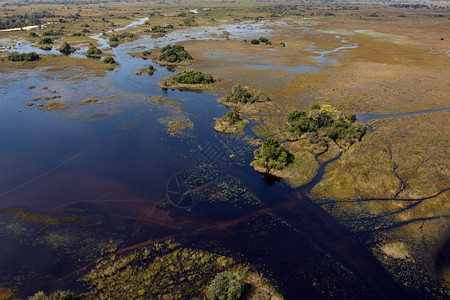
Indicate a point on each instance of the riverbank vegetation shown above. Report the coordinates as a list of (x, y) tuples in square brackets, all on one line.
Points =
[(243, 95), (168, 271), (150, 70), (66, 49), (31, 56), (93, 52), (190, 80), (173, 55), (323, 120), (271, 156), (231, 122)]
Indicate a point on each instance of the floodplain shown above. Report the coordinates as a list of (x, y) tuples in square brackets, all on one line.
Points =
[(112, 186)]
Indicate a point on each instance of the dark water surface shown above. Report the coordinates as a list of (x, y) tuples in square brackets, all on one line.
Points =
[(115, 161)]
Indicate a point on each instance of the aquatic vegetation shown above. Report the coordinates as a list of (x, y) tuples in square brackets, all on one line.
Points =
[(31, 56), (271, 155), (163, 101), (29, 103), (91, 100), (150, 70), (54, 105), (167, 271), (178, 126), (231, 122), (58, 295)]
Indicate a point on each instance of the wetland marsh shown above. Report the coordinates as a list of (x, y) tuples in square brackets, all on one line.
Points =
[(114, 186)]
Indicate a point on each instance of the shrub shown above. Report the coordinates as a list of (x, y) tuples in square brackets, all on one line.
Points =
[(45, 41), (254, 42), (33, 34), (272, 156), (263, 40), (93, 52), (193, 77), (225, 286), (32, 56), (109, 60), (63, 295), (334, 124), (174, 54), (66, 49), (38, 296), (238, 94)]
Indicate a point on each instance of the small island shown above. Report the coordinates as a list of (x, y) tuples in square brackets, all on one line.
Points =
[(231, 122), (239, 95), (319, 130), (150, 70), (188, 80), (19, 57), (173, 55), (271, 156), (93, 52)]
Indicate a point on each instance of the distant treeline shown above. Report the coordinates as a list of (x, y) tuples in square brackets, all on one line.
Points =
[(24, 20), (403, 5)]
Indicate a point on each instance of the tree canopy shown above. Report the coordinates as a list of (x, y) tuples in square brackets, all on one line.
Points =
[(271, 155), (193, 77), (93, 52), (173, 54), (225, 286), (66, 49), (323, 118), (32, 56)]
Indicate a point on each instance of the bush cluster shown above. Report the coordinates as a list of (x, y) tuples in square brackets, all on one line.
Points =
[(335, 125), (173, 54), (109, 60), (66, 49), (93, 52), (271, 155), (32, 56), (45, 41), (193, 77), (232, 117), (238, 94), (225, 286)]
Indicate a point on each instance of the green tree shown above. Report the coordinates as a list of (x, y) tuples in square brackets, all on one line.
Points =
[(66, 49), (225, 286), (272, 156), (109, 60), (174, 54), (93, 52)]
